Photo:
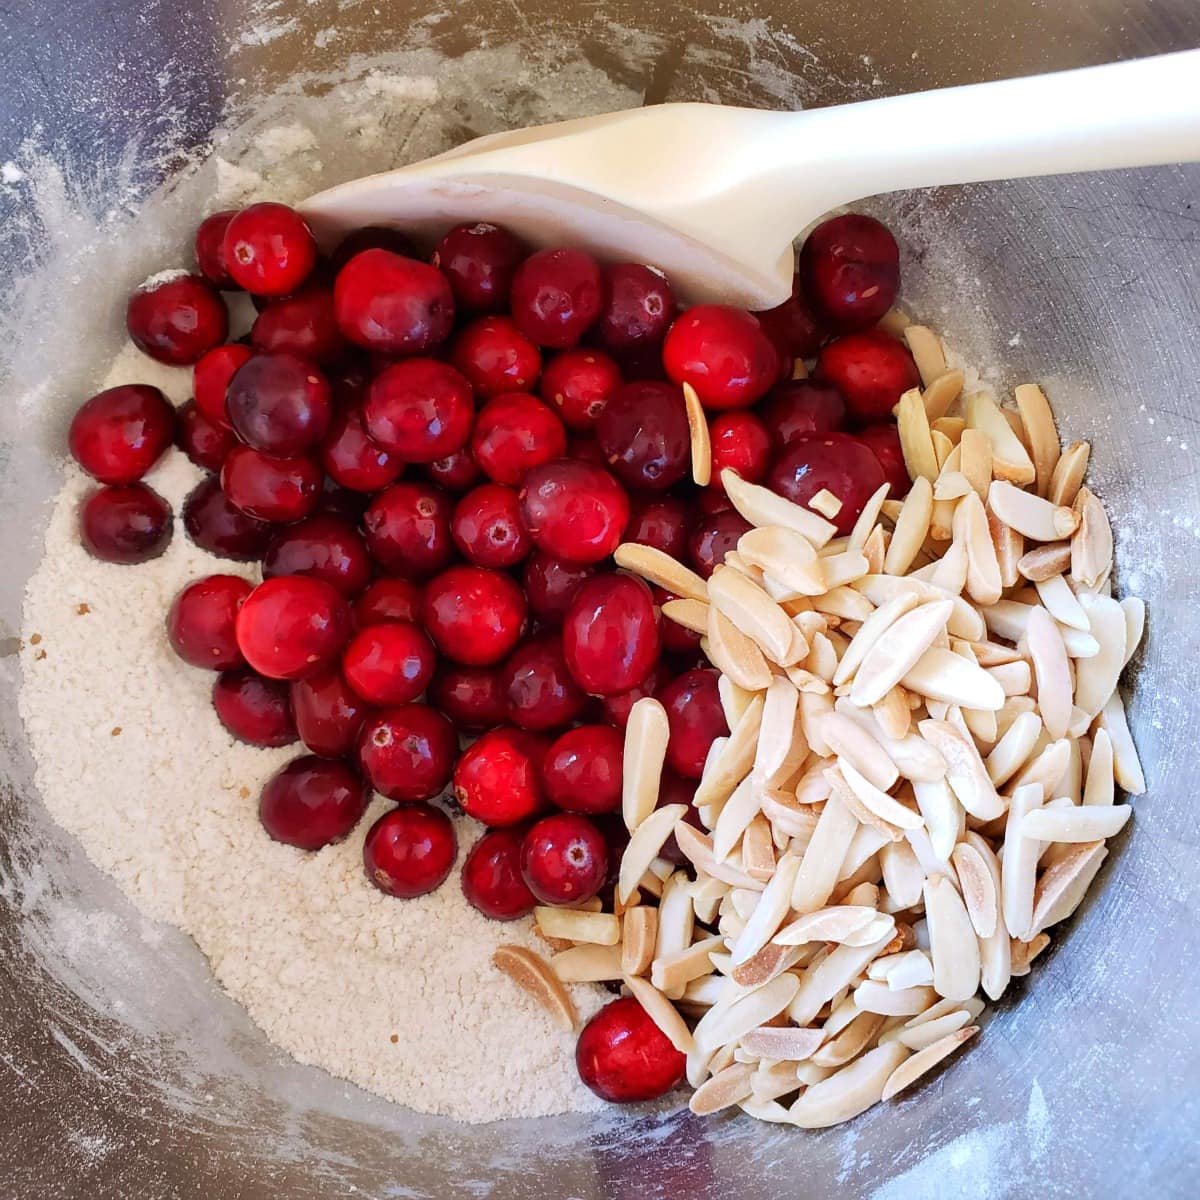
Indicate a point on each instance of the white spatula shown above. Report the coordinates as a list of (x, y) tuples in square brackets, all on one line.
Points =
[(714, 195)]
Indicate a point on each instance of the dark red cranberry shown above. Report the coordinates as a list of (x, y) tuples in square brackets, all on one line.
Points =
[(498, 778), (393, 304), (479, 261), (574, 511), (291, 626), (222, 529), (624, 1057), (269, 249), (473, 615), (696, 718), (389, 663), (408, 752), (491, 876), (408, 529), (301, 324), (583, 769), (370, 237), (740, 442), (713, 538), (792, 325), (211, 376), (312, 802), (328, 712), (279, 404), (352, 459), (513, 433), (723, 353), (388, 600), (585, 449), (883, 440), (799, 408), (675, 638), (487, 527), (538, 689), (557, 295), (457, 472), (496, 357), (268, 488), (420, 410), (871, 369), (550, 585), (210, 249), (564, 859), (710, 502), (616, 708), (324, 547), (674, 789), (834, 462), (643, 432), (128, 523), (660, 521), (177, 320), (203, 441), (472, 697), (202, 619), (342, 503), (409, 851), (610, 635), (639, 307), (255, 710), (120, 433), (850, 270), (578, 383)]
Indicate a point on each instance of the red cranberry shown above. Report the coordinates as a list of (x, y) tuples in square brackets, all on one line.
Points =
[(328, 712), (312, 802), (564, 859), (487, 527), (610, 635), (291, 626), (550, 586), (393, 304), (352, 459), (871, 370), (850, 269), (473, 615), (325, 547), (255, 710), (479, 261), (710, 501), (279, 404), (883, 441), (801, 407), (675, 638), (539, 691), (210, 249), (660, 521), (342, 503), (723, 353), (177, 320), (513, 433), (557, 295), (217, 526), (203, 441), (639, 307), (201, 622), (585, 449), (472, 697), (792, 326), (268, 488), (696, 719), (496, 357), (408, 529), (574, 511), (491, 876), (498, 778), (457, 472), (409, 851), (370, 237), (712, 539), (408, 752), (211, 376), (624, 1057), (616, 708), (119, 434), (389, 663), (740, 442), (643, 432), (129, 523), (582, 770), (269, 249), (301, 324), (388, 600), (834, 462), (578, 384), (420, 410), (674, 789)]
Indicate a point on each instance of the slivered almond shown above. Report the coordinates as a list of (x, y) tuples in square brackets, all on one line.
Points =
[(952, 944), (646, 736), (821, 864), (697, 849), (940, 395), (691, 614), (869, 633), (878, 801), (912, 527), (975, 460), (770, 961), (972, 1007), (875, 550), (1092, 543), (940, 674), (928, 1032), (1067, 477), (844, 602), (1013, 749), (890, 658), (736, 655), (978, 891), (820, 982), (639, 933), (698, 431), (1053, 673), (735, 817), (787, 1043), (1062, 887), (786, 556), (760, 506), (576, 925), (970, 528), (942, 814), (1045, 561), (1126, 767), (770, 911), (786, 813), (894, 713), (777, 730), (734, 700), (826, 503), (1072, 824), (670, 575), (927, 352), (950, 427), (723, 1090), (590, 963), (1046, 767), (1029, 514), (848, 1091), (673, 972), (1023, 953), (752, 611), (908, 1072), (852, 742), (758, 849), (916, 438), (1010, 459), (874, 996), (1135, 624), (867, 518), (1018, 862), (965, 622), (944, 450), (840, 569), (1015, 678), (726, 1023), (965, 771), (1041, 433), (849, 1042), (826, 925), (1096, 677), (662, 1012), (1099, 790), (533, 975), (644, 844), (951, 485)]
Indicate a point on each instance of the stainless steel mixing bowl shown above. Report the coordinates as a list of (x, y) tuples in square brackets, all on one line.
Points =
[(127, 1073)]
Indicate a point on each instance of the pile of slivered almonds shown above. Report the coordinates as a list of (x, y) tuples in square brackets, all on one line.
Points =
[(920, 779)]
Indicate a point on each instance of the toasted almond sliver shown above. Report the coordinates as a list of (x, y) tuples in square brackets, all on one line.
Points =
[(788, 1043), (1029, 514), (758, 849), (699, 852), (826, 503), (701, 443), (662, 1012), (670, 575), (1135, 624), (646, 736), (1018, 862), (837, 970), (723, 1090), (848, 1091), (826, 925), (975, 460), (1063, 885), (875, 996), (854, 743), (927, 352), (912, 527), (965, 622), (850, 1042), (1096, 677), (1045, 561), (942, 813), (1010, 459), (1099, 789), (878, 801), (777, 730), (691, 614), (590, 963), (964, 770), (734, 700), (785, 555), (894, 713), (1016, 678), (752, 611), (822, 861), (908, 1072), (576, 925), (890, 658), (984, 583), (916, 438), (760, 506), (1053, 673), (942, 393), (1041, 433), (1072, 824), (869, 633), (1126, 767), (726, 769), (639, 933), (741, 808), (1023, 953), (533, 974), (644, 844), (951, 485), (1092, 543), (771, 909), (728, 1022), (977, 887), (672, 974), (952, 944), (1068, 474), (940, 674), (736, 655)]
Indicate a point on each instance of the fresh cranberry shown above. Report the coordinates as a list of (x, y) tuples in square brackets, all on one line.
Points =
[(564, 859), (799, 408), (582, 770), (550, 586), (388, 600), (660, 521), (370, 237), (538, 689), (255, 710), (675, 638), (487, 527), (312, 802), (323, 547), (127, 523), (268, 488), (585, 449), (624, 1057), (472, 697), (643, 431), (211, 376), (498, 778), (835, 462), (496, 357), (723, 353), (408, 529), (610, 635), (473, 615), (616, 708), (574, 511), (202, 619), (269, 249), (393, 304), (279, 404), (210, 249), (883, 440), (119, 434), (850, 270), (740, 442), (639, 307), (408, 752), (479, 261), (301, 324), (328, 712), (871, 369), (389, 663), (222, 529), (203, 441), (491, 876), (674, 789), (696, 718), (457, 472), (513, 433), (792, 326), (713, 538), (420, 410), (578, 383), (710, 501), (177, 320), (352, 459), (342, 503), (409, 851), (557, 295), (291, 626)]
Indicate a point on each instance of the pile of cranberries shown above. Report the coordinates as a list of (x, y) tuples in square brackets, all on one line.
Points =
[(433, 461)]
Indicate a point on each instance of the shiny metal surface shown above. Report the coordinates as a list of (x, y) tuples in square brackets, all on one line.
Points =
[(127, 1073)]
